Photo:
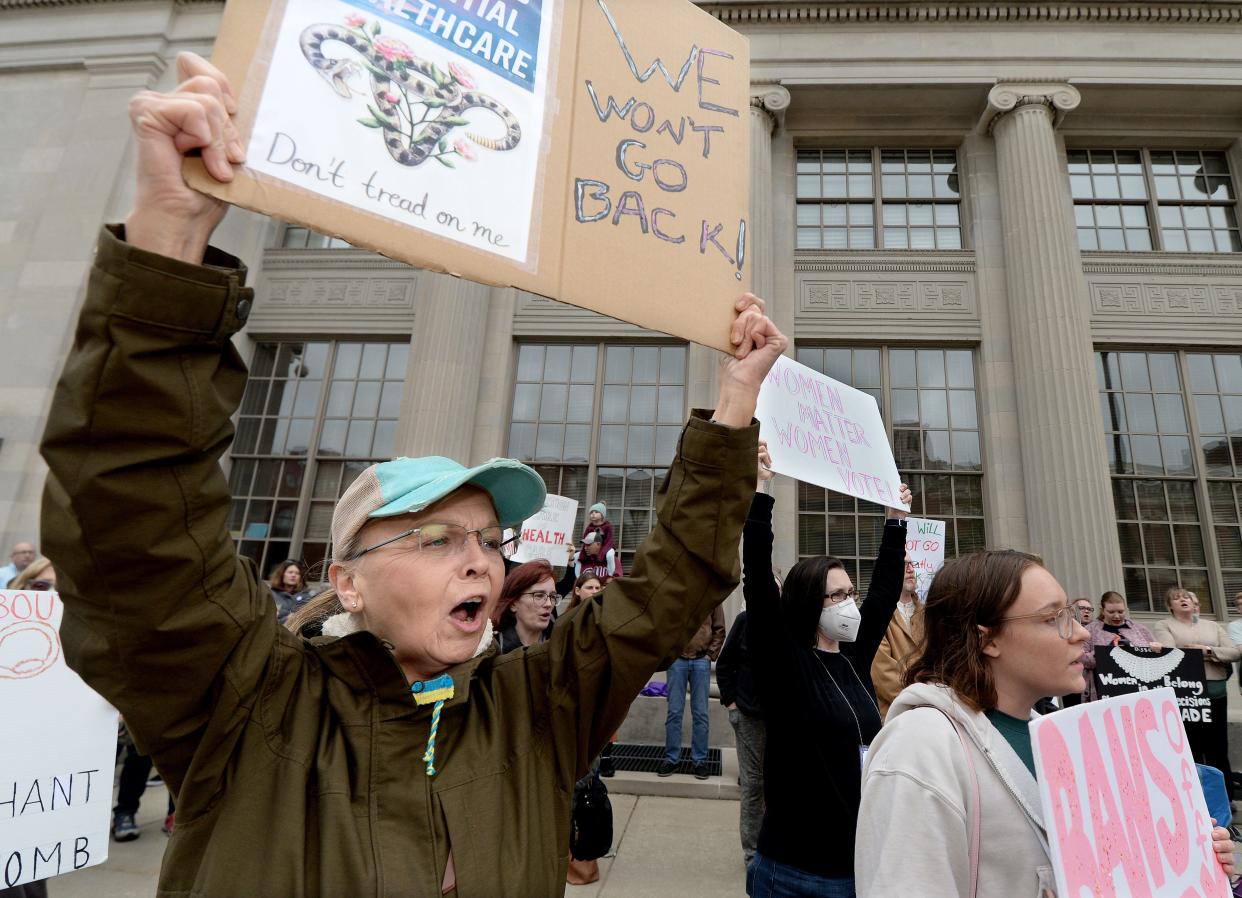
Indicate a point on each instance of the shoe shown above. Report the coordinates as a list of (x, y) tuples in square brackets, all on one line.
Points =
[(168, 824), (607, 767), (700, 771), (667, 768), (155, 780), (123, 828)]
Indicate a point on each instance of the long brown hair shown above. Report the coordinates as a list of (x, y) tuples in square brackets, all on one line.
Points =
[(969, 592), (277, 580), (518, 580), (575, 598)]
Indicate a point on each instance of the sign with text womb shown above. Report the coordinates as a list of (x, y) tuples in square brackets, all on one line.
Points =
[(58, 750), (1123, 808), (546, 534), (595, 152), (925, 546), (824, 432)]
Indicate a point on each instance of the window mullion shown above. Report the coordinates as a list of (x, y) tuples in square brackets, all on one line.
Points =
[(1216, 577), (1153, 203), (596, 415), (312, 462)]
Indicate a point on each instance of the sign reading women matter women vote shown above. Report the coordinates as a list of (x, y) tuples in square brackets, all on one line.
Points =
[(824, 432), (925, 546), (1121, 670), (1123, 808), (546, 533), (592, 151), (58, 750)]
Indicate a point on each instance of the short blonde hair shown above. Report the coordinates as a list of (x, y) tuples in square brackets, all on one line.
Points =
[(30, 573)]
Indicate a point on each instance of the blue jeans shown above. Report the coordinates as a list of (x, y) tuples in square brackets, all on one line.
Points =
[(766, 878), (698, 673)]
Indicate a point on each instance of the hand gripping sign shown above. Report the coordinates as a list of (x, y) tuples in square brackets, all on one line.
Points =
[(1122, 804), (58, 750), (592, 151), (824, 432)]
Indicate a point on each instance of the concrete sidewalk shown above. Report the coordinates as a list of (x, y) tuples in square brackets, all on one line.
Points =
[(663, 846)]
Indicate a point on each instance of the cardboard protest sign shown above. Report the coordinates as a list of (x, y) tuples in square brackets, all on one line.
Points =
[(1122, 804), (59, 749), (1122, 670), (593, 152), (925, 545), (824, 432), (547, 533)]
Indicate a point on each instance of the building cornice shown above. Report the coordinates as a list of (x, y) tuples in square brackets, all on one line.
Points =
[(783, 12)]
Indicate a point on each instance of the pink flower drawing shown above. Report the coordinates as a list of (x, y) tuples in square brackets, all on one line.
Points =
[(464, 150), (355, 21), (462, 75), (390, 98), (393, 50)]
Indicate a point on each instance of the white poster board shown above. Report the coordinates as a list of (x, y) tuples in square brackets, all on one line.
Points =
[(546, 533), (821, 431), (925, 545), (1122, 804), (57, 753)]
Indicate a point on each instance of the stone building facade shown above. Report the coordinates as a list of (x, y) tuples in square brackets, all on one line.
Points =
[(1014, 224)]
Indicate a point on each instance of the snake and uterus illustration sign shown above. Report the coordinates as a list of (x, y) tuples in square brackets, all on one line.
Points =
[(591, 151), (429, 116)]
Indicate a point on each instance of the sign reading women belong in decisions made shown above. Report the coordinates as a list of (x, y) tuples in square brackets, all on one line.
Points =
[(592, 151), (824, 432), (1123, 808), (57, 751)]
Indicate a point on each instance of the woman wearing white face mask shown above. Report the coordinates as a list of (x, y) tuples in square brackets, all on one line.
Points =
[(811, 648)]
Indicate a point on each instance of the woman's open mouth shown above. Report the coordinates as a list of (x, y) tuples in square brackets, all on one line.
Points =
[(466, 615)]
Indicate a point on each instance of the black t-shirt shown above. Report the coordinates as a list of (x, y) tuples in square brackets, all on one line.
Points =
[(1109, 628), (815, 705)]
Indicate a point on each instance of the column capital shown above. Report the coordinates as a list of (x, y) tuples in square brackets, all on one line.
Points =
[(1058, 97), (769, 100)]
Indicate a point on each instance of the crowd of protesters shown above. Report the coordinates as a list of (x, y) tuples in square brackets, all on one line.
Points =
[(419, 724)]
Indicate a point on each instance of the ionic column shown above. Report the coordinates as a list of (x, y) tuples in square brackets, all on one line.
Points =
[(1064, 468), (442, 380)]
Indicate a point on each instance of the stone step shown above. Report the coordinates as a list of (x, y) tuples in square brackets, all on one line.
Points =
[(680, 785)]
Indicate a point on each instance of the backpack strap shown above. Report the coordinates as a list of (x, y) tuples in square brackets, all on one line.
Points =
[(974, 803)]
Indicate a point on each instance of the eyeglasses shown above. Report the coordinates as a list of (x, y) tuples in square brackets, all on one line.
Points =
[(836, 597), (1064, 616), (543, 598), (447, 539)]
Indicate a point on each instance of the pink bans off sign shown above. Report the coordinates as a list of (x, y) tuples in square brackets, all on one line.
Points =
[(1122, 804), (821, 431)]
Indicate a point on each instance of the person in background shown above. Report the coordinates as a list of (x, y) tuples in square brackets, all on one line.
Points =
[(693, 669), (1209, 741), (999, 635), (37, 576), (811, 649), (1235, 630), (900, 643), (1113, 626), (289, 589), (741, 699), (597, 522), (525, 615), (593, 559), (586, 587), (22, 555), (1083, 613)]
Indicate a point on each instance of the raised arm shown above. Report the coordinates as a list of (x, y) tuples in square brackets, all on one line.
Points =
[(686, 567), (884, 588), (160, 617)]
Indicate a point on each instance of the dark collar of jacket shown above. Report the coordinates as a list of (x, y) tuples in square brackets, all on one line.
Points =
[(510, 641)]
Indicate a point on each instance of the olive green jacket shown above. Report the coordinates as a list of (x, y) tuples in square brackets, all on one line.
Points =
[(297, 767)]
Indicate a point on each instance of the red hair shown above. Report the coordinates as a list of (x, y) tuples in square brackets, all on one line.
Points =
[(518, 581)]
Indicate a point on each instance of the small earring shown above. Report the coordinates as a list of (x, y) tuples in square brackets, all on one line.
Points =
[(353, 605)]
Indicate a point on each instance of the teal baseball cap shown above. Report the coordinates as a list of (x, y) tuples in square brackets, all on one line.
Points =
[(408, 485)]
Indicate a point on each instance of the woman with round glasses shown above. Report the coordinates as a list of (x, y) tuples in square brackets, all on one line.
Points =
[(810, 648), (398, 754), (999, 635), (526, 613)]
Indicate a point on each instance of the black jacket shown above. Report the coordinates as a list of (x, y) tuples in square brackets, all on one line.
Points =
[(733, 674)]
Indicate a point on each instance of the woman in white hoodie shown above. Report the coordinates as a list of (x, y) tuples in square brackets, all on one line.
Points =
[(999, 635)]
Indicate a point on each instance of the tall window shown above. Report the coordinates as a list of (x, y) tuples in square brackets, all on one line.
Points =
[(600, 423), (1118, 194), (303, 238), (910, 198), (927, 397), (314, 415), (1167, 449)]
